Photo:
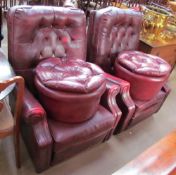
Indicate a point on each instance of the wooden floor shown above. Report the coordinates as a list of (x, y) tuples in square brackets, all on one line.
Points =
[(159, 159), (106, 158)]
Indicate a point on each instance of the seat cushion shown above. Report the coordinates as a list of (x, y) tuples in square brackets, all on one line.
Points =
[(144, 64), (146, 73), (65, 135), (70, 75), (69, 90)]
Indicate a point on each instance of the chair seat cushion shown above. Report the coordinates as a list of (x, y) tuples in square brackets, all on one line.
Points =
[(65, 135), (69, 90), (69, 75), (145, 73), (144, 64)]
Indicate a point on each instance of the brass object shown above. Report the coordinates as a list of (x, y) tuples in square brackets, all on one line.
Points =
[(154, 22), (170, 31)]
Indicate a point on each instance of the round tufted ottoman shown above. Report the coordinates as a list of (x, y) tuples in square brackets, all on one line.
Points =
[(145, 73), (70, 90)]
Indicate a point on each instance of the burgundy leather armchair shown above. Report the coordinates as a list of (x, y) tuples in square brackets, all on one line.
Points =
[(68, 106), (113, 38)]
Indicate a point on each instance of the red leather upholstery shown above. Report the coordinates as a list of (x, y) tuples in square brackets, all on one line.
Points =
[(73, 85), (144, 109), (143, 64), (65, 135), (35, 132), (36, 35), (142, 71), (67, 138), (74, 76), (112, 32), (56, 31), (33, 112)]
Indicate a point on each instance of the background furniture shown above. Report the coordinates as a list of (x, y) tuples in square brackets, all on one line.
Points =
[(163, 49), (10, 123), (172, 5), (158, 159), (34, 34), (112, 31)]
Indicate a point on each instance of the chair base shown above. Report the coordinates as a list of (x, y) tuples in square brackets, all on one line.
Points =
[(143, 109), (67, 139), (59, 157)]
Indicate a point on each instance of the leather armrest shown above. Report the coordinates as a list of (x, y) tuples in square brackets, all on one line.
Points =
[(108, 100), (35, 128), (32, 110), (123, 100), (116, 80)]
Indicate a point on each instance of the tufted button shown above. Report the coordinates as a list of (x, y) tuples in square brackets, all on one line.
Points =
[(58, 38), (65, 39)]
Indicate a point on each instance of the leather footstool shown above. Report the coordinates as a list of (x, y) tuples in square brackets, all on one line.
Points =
[(70, 90), (146, 73)]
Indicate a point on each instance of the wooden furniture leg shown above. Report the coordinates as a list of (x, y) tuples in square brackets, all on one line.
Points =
[(15, 130)]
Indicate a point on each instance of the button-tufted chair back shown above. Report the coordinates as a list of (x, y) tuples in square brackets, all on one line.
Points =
[(39, 32), (112, 30)]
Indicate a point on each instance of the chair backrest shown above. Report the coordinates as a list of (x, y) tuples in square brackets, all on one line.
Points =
[(112, 30), (38, 32)]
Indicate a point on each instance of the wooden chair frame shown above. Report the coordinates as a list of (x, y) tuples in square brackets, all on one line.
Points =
[(15, 130)]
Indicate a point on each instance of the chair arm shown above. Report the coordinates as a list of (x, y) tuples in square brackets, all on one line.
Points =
[(123, 100), (117, 80), (39, 143), (108, 100), (36, 133), (32, 110)]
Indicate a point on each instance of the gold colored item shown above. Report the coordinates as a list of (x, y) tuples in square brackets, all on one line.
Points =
[(154, 22)]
